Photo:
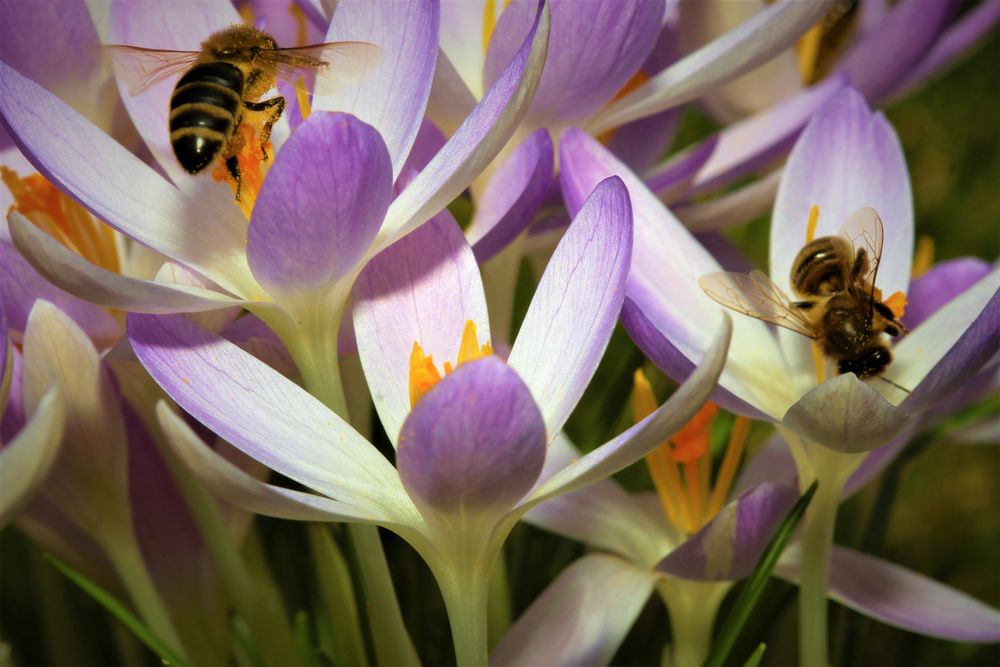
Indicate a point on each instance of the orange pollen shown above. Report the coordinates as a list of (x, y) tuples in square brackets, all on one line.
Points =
[(897, 304), (63, 219), (424, 374), (245, 145)]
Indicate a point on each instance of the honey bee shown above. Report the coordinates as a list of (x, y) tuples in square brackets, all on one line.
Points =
[(228, 77), (838, 304)]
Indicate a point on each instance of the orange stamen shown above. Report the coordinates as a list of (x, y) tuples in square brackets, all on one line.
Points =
[(424, 375), (897, 304), (692, 441), (250, 157), (807, 50), (727, 472)]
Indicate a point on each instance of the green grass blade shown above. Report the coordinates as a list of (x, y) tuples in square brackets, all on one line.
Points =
[(119, 611), (756, 657), (754, 585)]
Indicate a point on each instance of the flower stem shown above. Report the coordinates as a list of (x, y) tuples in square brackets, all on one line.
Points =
[(693, 606), (466, 592)]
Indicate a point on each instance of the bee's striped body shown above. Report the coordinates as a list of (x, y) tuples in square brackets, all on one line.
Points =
[(204, 112)]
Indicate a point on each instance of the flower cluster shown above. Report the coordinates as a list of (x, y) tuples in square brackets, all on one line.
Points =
[(387, 309)]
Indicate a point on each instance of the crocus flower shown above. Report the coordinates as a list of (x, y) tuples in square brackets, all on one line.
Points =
[(470, 430), (847, 159)]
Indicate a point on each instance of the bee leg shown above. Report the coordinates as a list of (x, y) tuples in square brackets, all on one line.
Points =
[(276, 105), (233, 167)]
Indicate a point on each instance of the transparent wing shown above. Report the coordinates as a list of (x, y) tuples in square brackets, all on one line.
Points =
[(349, 61), (864, 230), (140, 68), (756, 295)]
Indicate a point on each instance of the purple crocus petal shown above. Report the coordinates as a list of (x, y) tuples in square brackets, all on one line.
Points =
[(642, 142), (119, 188), (848, 158), (663, 284), (21, 285), (428, 142), (948, 349), (281, 20), (725, 252), (729, 546), (252, 335), (957, 39), (512, 196), (262, 413), (595, 49), (474, 444), (772, 463), (755, 41), (321, 204), (450, 101), (673, 179), (576, 304), (945, 281), (645, 436), (246, 491), (474, 145), (581, 618), (392, 94), (421, 289), (846, 415), (897, 44), (26, 460), (733, 208), (69, 271), (163, 25), (900, 597)]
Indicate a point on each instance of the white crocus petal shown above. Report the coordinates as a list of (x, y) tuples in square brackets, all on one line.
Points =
[(27, 459), (755, 41), (451, 101), (71, 272), (462, 35)]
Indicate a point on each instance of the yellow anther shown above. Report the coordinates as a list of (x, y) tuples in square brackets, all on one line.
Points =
[(302, 95), (923, 258), (301, 27), (424, 374), (812, 224), (247, 13), (489, 22), (807, 50)]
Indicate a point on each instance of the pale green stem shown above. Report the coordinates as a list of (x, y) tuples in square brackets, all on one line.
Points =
[(498, 610), (693, 606), (338, 594), (466, 591)]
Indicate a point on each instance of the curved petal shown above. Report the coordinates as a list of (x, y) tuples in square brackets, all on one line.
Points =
[(450, 101), (463, 29), (321, 204), (645, 436), (474, 145), (576, 304), (846, 415), (901, 598), (581, 618), (474, 444), (945, 281), (393, 94), (284, 20), (595, 49), (207, 234), (512, 197), (848, 158), (733, 208), (71, 272), (729, 546), (421, 289), (27, 459), (262, 413), (753, 42)]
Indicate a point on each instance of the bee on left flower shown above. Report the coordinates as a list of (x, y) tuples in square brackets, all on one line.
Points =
[(226, 82)]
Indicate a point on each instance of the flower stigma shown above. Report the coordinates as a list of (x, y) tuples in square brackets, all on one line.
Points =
[(681, 466), (424, 374)]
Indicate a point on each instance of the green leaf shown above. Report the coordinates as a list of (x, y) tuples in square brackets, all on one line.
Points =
[(754, 585), (756, 657), (119, 611)]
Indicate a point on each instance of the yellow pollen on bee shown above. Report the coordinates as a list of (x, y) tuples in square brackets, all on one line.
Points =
[(253, 167), (53, 212), (424, 374), (897, 304)]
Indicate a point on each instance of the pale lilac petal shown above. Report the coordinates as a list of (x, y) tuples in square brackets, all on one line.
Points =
[(901, 598), (207, 235), (576, 304), (645, 436), (21, 285), (262, 413), (462, 34), (594, 49), (392, 94), (771, 463), (422, 289), (673, 179), (321, 204), (733, 208), (69, 271), (428, 142), (847, 159), (642, 142), (252, 335), (512, 197), (944, 282), (666, 265), (581, 618), (26, 460), (764, 35), (846, 415), (451, 100), (474, 145), (279, 19), (729, 546), (474, 444), (246, 491)]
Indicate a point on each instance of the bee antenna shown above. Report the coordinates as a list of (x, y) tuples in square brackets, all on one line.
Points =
[(888, 381)]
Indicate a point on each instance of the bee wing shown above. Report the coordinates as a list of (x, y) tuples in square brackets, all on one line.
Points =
[(350, 61), (864, 230), (140, 68), (756, 295)]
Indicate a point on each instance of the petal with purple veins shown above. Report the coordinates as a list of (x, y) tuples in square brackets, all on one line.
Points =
[(942, 283)]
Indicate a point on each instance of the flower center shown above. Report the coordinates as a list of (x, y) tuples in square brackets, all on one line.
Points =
[(424, 374), (52, 211), (681, 466), (253, 168)]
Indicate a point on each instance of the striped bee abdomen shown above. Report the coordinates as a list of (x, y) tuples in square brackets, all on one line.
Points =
[(203, 113), (819, 268)]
